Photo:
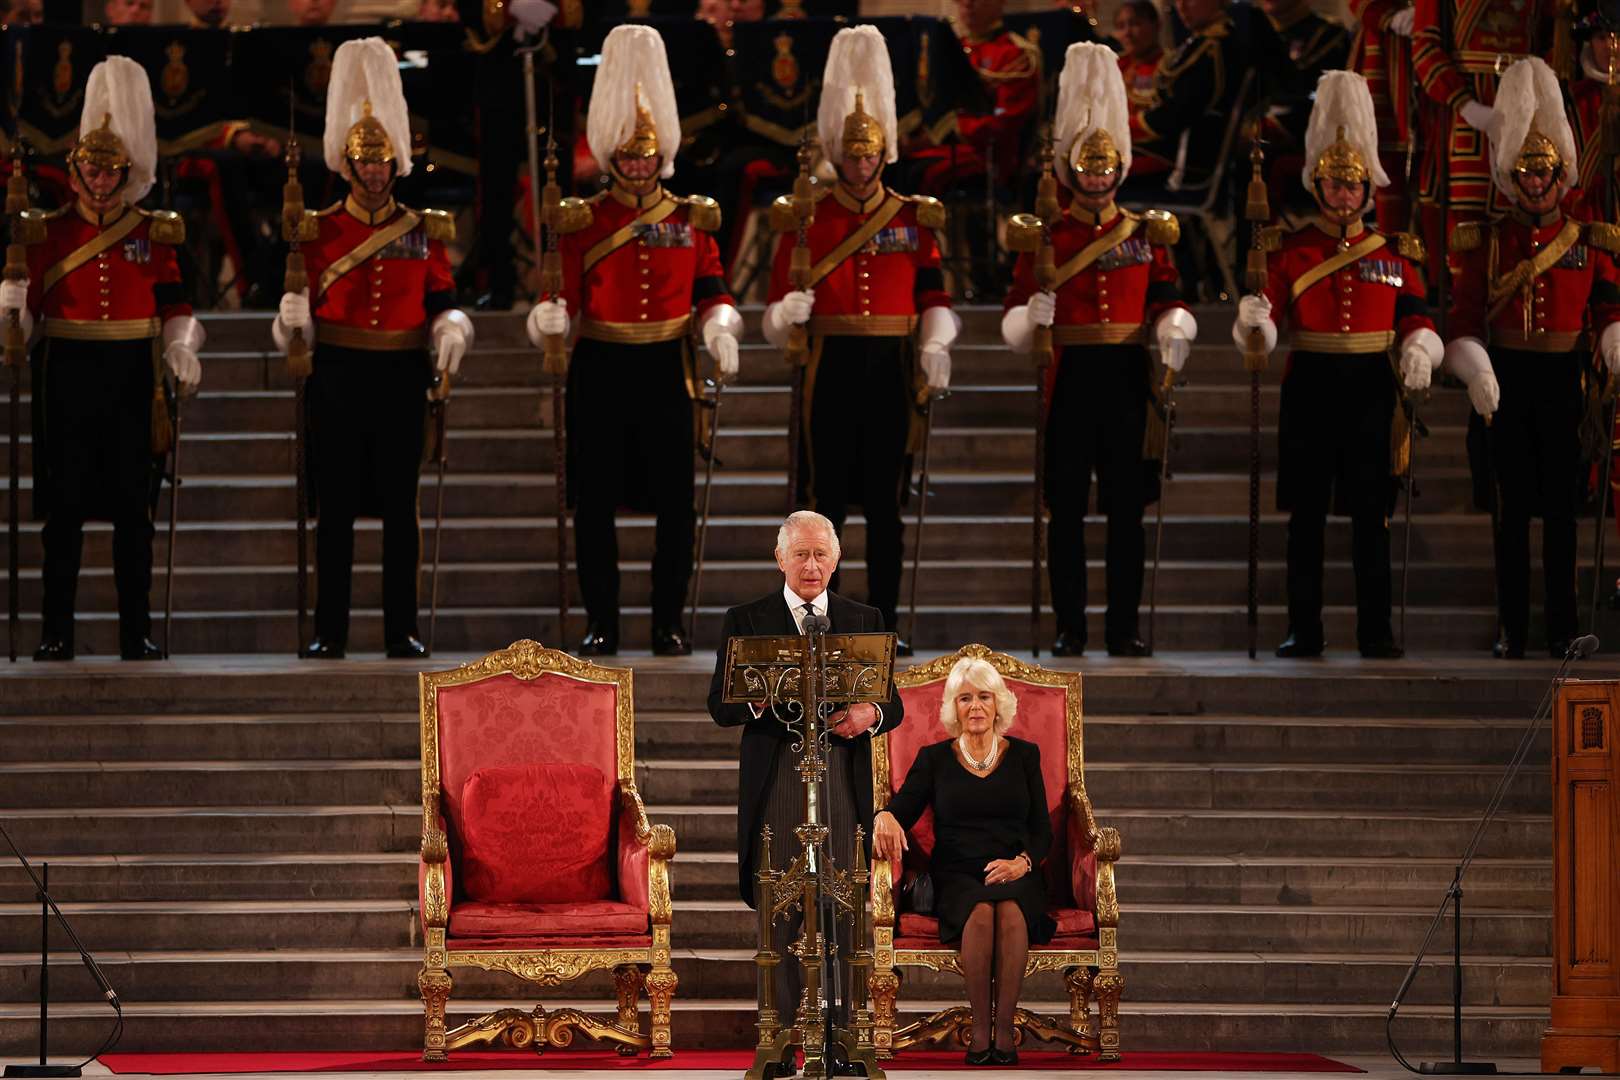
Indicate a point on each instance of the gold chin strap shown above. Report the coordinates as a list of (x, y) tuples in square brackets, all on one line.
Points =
[(1537, 154), (643, 141), (863, 135), (1097, 155), (1341, 161), (367, 141), (102, 147)]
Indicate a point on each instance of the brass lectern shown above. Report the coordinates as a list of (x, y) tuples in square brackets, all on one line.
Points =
[(798, 680)]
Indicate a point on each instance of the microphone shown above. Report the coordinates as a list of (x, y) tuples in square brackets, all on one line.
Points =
[(1582, 647), (820, 624)]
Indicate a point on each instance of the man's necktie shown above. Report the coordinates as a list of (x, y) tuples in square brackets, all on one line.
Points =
[(805, 612)]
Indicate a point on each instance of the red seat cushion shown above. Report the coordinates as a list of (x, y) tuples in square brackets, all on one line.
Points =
[(536, 833), (1071, 922), (595, 919), (1064, 943)]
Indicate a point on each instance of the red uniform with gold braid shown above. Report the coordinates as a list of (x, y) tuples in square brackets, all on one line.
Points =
[(1010, 67), (104, 294), (1384, 59), (1593, 199), (1537, 289)]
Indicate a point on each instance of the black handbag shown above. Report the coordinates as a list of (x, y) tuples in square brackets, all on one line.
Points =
[(917, 894)]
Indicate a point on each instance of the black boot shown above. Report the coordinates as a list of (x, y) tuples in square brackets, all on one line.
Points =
[(670, 641), (1069, 644), (141, 648), (409, 647), (1382, 649), (1295, 647), (599, 641), (52, 647), (1129, 646), (1507, 648), (323, 648)]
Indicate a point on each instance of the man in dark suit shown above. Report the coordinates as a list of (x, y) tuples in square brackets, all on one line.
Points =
[(768, 788)]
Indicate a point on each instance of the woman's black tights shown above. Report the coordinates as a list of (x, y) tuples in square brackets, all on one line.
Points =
[(995, 947)]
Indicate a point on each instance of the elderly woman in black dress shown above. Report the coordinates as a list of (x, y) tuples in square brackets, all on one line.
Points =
[(991, 832)]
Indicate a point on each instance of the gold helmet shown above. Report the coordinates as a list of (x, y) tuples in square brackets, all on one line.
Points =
[(1096, 155), (367, 141), (1537, 153), (643, 140), (1341, 161), (101, 147), (863, 135), (1092, 124)]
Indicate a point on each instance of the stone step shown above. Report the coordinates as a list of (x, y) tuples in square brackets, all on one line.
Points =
[(368, 828), (728, 924), (390, 1024), (1236, 977)]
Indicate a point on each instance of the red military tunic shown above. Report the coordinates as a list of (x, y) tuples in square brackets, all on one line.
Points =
[(1592, 198), (1009, 65), (635, 272), (882, 287), (122, 293), (1580, 291), (384, 299), (1384, 59), (1364, 307)]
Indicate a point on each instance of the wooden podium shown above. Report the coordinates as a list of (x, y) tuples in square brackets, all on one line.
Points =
[(1585, 1027)]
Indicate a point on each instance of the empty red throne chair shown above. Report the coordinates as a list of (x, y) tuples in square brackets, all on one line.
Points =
[(1078, 872), (537, 856)]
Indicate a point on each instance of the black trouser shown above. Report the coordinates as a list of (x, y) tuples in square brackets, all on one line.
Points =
[(1096, 421), (630, 444), (366, 411), (1535, 450), (93, 444), (1333, 436), (859, 422)]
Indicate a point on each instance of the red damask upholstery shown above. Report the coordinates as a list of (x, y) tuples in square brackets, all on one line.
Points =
[(1078, 871), (537, 855)]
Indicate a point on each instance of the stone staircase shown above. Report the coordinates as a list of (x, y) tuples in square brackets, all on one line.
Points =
[(235, 839)]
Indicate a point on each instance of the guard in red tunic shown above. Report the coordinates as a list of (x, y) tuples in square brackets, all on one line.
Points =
[(880, 322), (1350, 294), (1381, 53), (384, 324), (104, 293), (1594, 196), (1116, 290), (1009, 66), (641, 276), (1532, 292)]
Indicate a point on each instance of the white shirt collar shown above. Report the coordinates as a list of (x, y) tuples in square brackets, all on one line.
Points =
[(796, 604)]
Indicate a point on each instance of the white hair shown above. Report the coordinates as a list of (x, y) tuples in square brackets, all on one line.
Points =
[(805, 519), (980, 675)]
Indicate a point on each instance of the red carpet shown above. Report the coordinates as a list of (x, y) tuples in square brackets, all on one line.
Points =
[(731, 1061)]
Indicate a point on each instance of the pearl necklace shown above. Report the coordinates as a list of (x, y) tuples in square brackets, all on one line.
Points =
[(990, 759)]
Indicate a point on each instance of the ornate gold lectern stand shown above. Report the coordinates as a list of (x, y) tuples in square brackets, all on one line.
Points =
[(799, 679)]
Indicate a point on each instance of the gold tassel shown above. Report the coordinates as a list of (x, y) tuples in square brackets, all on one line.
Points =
[(1400, 442), (1157, 434), (162, 428)]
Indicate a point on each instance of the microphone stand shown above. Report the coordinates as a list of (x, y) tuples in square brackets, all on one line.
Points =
[(1578, 649), (47, 909)]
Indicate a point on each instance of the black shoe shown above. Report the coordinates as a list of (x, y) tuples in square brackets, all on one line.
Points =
[(789, 1065), (1131, 646), (598, 641), (408, 647), (1068, 644), (324, 649), (1507, 649), (987, 1056), (140, 648), (670, 641), (54, 648), (499, 298), (1384, 649), (1295, 648), (902, 647), (1003, 1057)]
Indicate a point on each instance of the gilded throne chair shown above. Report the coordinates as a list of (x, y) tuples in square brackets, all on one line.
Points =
[(1078, 871), (537, 856)]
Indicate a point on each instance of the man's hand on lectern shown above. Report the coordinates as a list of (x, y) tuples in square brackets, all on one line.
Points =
[(850, 722)]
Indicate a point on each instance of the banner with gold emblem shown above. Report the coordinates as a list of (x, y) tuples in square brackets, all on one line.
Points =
[(193, 94), (46, 68)]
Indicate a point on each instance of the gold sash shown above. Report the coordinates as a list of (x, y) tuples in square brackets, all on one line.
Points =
[(1503, 288), (855, 241), (1094, 251), (407, 220), (92, 247), (1334, 263), (620, 237)]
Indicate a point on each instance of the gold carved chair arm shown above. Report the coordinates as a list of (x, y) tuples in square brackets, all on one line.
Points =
[(645, 852), (1093, 885), (433, 872), (883, 892)]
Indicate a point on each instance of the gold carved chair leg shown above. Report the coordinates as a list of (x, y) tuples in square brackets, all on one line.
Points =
[(885, 990), (1080, 981), (434, 983), (661, 982), (1110, 985)]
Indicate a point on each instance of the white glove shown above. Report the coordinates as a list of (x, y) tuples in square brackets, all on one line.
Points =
[(1401, 22), (1477, 116), (294, 312), (1042, 308), (1421, 353), (721, 325), (795, 307), (452, 337), (1175, 331), (936, 365), (1467, 359), (1484, 394), (1253, 310), (549, 317), (937, 328), (723, 347), (13, 296), (531, 16), (182, 337), (1609, 347)]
